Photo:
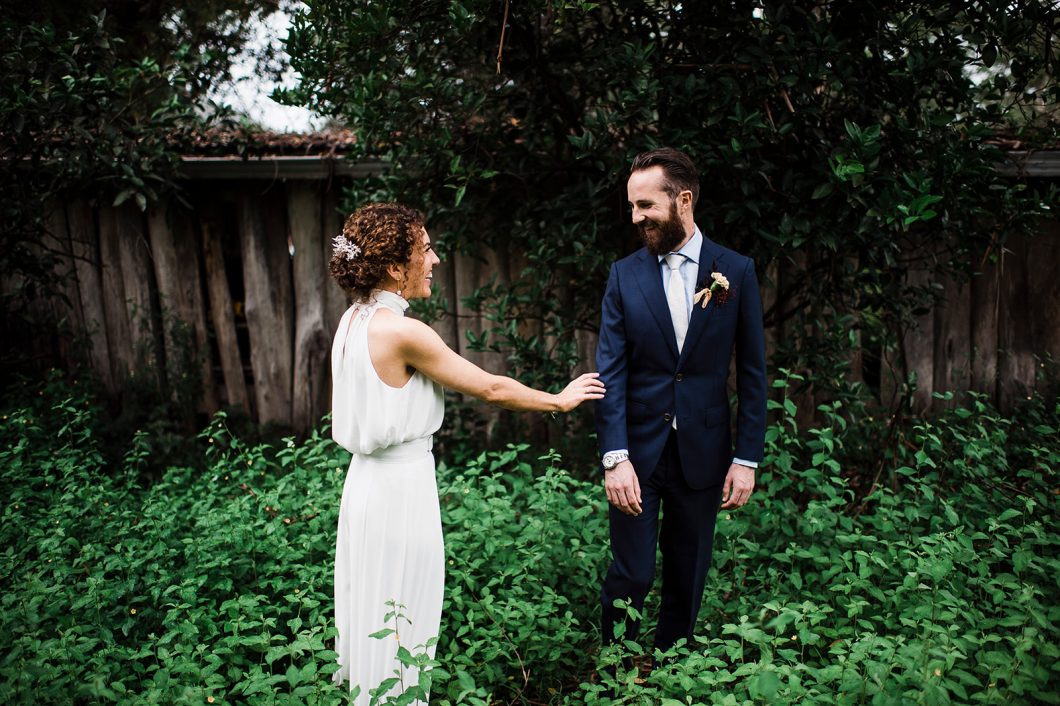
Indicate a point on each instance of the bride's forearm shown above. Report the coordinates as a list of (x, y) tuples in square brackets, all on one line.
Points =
[(511, 394), (425, 351)]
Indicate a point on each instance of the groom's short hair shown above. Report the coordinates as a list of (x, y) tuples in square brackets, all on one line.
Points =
[(678, 170)]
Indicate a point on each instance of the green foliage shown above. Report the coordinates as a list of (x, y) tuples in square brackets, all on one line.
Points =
[(74, 117), (525, 550), (933, 588), (937, 585), (171, 593), (839, 143)]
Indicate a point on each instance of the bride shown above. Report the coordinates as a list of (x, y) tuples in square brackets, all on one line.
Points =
[(388, 374)]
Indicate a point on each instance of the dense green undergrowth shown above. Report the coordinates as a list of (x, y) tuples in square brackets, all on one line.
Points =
[(214, 586)]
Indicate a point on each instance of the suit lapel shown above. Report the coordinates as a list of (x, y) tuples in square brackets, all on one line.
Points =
[(710, 260), (650, 282)]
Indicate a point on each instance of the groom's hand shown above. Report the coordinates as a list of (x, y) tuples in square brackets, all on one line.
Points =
[(739, 482), (623, 488)]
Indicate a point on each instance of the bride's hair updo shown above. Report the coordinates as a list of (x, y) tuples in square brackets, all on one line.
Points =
[(376, 236)]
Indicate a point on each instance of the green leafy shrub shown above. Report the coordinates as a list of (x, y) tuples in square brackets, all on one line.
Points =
[(936, 585), (525, 549), (939, 588), (205, 585), (839, 146)]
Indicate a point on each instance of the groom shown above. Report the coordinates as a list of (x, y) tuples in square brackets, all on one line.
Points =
[(673, 314)]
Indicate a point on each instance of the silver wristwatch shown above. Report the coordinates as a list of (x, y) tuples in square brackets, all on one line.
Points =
[(613, 458)]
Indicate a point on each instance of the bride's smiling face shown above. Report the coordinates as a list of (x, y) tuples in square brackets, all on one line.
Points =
[(416, 284)]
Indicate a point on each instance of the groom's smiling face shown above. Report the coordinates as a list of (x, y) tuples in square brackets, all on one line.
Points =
[(655, 213)]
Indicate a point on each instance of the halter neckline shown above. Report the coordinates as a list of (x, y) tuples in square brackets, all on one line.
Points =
[(395, 302)]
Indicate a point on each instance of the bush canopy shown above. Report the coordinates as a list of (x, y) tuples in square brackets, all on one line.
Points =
[(840, 144)]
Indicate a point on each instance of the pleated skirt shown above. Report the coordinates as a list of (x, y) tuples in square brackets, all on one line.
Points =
[(389, 549)]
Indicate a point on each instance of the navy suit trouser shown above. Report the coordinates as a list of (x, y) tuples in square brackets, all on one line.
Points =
[(685, 537)]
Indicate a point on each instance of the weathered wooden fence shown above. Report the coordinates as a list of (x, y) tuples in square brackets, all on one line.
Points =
[(240, 267), (996, 332), (244, 265)]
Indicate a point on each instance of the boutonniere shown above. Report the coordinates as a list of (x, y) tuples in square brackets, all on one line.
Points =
[(719, 283)]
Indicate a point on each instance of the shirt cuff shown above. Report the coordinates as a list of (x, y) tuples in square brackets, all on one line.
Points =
[(749, 464)]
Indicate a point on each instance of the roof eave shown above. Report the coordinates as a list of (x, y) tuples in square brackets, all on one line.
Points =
[(276, 167)]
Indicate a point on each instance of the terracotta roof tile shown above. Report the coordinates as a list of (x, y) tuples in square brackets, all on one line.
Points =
[(238, 141)]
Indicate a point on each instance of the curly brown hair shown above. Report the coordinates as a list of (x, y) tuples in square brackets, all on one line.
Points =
[(386, 233)]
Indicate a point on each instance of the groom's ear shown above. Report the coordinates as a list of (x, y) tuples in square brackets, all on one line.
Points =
[(684, 200)]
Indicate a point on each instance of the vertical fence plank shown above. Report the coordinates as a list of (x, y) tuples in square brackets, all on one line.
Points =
[(269, 300), (120, 344), (222, 313), (790, 270), (447, 325), (177, 271), (984, 315), (1016, 365), (919, 347), (66, 308), (84, 249), (138, 278), (470, 274), (891, 374), (1043, 291), (312, 339), (335, 300), (43, 315), (953, 340)]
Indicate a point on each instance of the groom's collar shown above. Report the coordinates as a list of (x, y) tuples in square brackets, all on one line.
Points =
[(691, 249)]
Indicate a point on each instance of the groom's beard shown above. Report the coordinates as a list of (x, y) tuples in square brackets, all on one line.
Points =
[(665, 236)]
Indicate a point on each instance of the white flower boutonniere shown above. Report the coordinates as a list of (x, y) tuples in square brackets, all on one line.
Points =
[(719, 283)]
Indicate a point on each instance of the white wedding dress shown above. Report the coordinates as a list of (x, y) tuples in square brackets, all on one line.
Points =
[(390, 532)]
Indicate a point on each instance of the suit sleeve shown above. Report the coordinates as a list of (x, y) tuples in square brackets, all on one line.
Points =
[(611, 364), (751, 382)]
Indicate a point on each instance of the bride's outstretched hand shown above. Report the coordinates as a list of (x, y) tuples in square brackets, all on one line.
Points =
[(584, 387)]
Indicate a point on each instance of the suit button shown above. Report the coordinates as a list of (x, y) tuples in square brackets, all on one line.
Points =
[(680, 377), (667, 417)]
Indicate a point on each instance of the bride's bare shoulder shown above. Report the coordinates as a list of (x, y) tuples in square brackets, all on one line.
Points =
[(399, 328)]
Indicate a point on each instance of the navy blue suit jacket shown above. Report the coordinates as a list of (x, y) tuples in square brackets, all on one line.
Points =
[(648, 382)]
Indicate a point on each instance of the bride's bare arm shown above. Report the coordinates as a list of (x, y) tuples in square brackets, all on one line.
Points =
[(423, 349)]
